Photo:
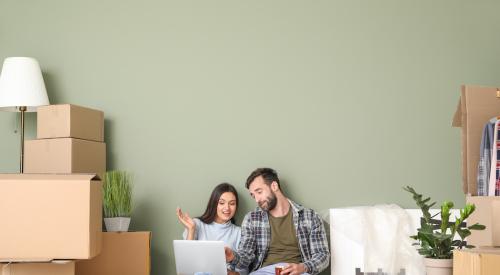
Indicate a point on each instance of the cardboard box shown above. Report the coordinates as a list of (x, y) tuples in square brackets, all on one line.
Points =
[(477, 105), (50, 268), (46, 217), (484, 261), (123, 253), (64, 156), (66, 120), (487, 213)]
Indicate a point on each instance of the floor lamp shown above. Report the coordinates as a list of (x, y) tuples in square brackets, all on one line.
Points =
[(22, 90)]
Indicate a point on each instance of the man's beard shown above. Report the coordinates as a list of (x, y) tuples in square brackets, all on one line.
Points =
[(270, 203)]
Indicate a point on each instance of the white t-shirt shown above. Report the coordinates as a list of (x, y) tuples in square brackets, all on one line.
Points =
[(228, 232)]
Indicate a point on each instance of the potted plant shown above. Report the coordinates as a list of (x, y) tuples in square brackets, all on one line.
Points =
[(436, 238), (117, 200)]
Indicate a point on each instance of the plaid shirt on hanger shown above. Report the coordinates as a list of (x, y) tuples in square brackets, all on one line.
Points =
[(256, 238), (484, 165), (494, 184)]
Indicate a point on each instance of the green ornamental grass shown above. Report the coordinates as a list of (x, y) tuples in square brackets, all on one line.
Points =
[(117, 194)]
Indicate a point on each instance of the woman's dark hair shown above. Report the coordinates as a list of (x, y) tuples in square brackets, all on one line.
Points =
[(211, 211)]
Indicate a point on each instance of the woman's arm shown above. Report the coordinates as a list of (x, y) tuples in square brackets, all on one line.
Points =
[(188, 223)]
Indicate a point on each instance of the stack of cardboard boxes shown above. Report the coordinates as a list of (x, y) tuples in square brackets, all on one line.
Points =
[(476, 107), (70, 139), (54, 210), (52, 215)]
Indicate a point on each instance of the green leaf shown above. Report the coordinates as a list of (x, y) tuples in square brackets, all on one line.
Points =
[(463, 233), (477, 226)]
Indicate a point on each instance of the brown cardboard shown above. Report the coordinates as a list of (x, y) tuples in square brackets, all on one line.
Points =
[(476, 262), (476, 106), (47, 217), (123, 253), (495, 222), (487, 213), (50, 268), (64, 156), (66, 120)]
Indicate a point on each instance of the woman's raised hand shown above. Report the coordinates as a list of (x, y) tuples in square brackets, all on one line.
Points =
[(186, 220)]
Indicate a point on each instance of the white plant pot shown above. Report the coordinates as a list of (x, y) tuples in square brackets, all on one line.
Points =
[(118, 224), (439, 266)]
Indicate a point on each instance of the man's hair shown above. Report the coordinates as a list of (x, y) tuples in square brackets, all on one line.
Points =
[(268, 174)]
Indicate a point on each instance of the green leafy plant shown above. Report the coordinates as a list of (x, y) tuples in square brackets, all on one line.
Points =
[(436, 237), (117, 194)]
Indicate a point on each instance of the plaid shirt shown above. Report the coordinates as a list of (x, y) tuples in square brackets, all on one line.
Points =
[(484, 164), (256, 237)]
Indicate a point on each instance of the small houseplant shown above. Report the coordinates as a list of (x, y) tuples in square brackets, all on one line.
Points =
[(436, 238), (117, 200)]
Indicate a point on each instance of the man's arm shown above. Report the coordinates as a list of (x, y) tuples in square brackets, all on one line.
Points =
[(320, 253), (246, 249)]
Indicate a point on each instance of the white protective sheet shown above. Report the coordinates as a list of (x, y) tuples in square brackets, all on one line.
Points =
[(370, 240)]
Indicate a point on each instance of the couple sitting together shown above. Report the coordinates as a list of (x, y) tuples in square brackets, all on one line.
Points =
[(279, 232)]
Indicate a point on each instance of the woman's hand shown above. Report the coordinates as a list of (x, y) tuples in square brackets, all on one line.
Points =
[(188, 223)]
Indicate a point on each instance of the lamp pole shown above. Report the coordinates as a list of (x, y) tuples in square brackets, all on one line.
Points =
[(22, 109)]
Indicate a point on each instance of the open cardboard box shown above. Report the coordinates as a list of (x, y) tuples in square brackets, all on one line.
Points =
[(46, 217), (477, 105)]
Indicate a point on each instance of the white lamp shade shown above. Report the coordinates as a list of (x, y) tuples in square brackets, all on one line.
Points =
[(21, 84)]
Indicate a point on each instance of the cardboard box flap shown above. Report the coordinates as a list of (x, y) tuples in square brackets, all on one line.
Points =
[(80, 107), (65, 177), (457, 117), (484, 250)]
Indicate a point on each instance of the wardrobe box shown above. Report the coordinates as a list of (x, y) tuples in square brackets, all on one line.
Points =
[(66, 120), (123, 253), (477, 105), (484, 261), (48, 268), (487, 213), (46, 217), (64, 156)]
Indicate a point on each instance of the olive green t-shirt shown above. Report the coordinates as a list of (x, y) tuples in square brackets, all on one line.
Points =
[(284, 247)]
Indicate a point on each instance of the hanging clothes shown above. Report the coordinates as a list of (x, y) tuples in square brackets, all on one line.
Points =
[(495, 162), (485, 156)]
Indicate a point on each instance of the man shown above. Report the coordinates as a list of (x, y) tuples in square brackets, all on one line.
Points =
[(279, 232)]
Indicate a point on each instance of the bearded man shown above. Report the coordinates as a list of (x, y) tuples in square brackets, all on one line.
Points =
[(279, 232)]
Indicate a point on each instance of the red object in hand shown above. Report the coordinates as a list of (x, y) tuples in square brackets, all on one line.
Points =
[(278, 269)]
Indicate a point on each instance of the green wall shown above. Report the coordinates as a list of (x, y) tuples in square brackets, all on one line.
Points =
[(349, 100)]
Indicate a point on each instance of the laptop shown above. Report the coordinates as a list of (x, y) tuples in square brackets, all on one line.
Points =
[(199, 256)]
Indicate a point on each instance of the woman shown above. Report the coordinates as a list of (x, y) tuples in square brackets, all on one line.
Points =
[(217, 223)]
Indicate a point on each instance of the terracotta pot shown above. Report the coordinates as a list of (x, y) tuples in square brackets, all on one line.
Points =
[(438, 266)]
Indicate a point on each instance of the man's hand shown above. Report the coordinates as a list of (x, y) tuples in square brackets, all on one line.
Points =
[(294, 269), (229, 254), (230, 272)]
